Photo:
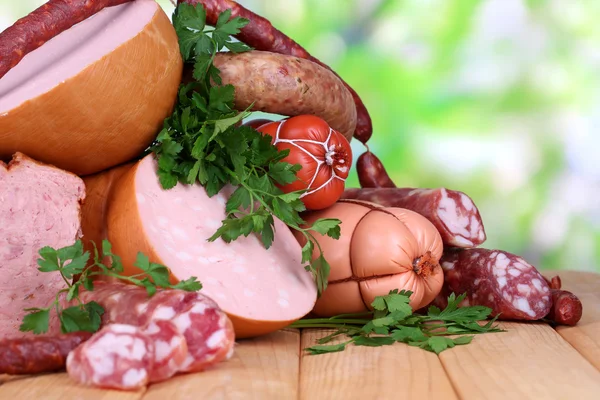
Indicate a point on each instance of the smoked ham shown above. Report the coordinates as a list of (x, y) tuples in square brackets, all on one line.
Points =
[(95, 95), (39, 206), (260, 290), (380, 249)]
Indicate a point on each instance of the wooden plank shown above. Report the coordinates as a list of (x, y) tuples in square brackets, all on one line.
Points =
[(585, 336), (529, 361), (261, 368), (397, 371), (59, 386)]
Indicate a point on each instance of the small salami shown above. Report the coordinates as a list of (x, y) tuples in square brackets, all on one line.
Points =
[(372, 173), (566, 307), (170, 349), (32, 355), (504, 282), (453, 213), (118, 356)]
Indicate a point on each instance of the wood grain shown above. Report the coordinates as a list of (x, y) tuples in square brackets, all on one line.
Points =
[(263, 368), (585, 336), (359, 372), (59, 386), (529, 361)]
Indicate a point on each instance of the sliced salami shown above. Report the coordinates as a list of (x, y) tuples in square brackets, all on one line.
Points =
[(119, 356), (453, 213), (170, 349), (511, 287)]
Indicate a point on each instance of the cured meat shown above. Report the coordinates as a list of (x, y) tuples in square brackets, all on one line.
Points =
[(566, 307), (118, 356), (41, 25), (287, 85), (32, 355), (504, 282), (453, 213), (39, 206), (94, 95), (372, 173), (208, 331), (261, 35), (260, 290), (379, 249), (170, 349)]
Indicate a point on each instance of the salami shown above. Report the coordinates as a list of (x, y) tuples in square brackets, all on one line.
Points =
[(453, 213), (42, 24), (262, 35), (504, 282), (566, 307), (372, 173), (170, 349), (32, 355), (118, 356)]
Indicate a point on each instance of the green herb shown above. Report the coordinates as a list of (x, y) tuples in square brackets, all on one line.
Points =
[(72, 260), (200, 142), (393, 321)]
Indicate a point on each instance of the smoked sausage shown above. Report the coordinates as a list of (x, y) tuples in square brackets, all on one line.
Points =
[(261, 35), (372, 173), (566, 307)]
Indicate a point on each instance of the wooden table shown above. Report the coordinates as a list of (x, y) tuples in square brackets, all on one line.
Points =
[(529, 361)]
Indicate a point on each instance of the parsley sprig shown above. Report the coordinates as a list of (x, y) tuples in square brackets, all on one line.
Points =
[(394, 321), (72, 261), (202, 142)]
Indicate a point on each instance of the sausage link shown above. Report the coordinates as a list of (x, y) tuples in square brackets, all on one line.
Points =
[(372, 173), (32, 355), (42, 24), (566, 307), (262, 35)]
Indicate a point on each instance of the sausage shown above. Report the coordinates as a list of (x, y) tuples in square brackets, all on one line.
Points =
[(39, 206), (453, 213), (32, 355), (371, 172), (504, 282), (286, 85), (118, 356), (42, 24), (566, 307), (170, 349), (261, 35)]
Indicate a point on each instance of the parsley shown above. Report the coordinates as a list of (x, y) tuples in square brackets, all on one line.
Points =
[(393, 321), (201, 142), (72, 260)]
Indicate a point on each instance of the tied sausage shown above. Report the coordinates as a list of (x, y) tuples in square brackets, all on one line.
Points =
[(453, 213), (372, 173), (504, 282), (42, 24), (32, 355), (261, 35), (566, 307)]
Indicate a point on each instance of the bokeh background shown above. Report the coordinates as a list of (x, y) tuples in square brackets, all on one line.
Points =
[(496, 98)]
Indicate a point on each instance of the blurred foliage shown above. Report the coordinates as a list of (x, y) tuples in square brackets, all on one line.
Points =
[(496, 98)]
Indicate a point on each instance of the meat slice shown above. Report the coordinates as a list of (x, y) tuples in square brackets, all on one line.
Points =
[(260, 290), (170, 349), (39, 206)]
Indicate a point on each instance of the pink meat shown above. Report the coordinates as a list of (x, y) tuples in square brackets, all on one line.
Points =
[(453, 213), (511, 287), (39, 206), (170, 349)]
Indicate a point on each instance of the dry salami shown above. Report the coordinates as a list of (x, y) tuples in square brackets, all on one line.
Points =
[(42, 24), (262, 35), (506, 283), (372, 173), (566, 307), (170, 349), (453, 213), (119, 356), (32, 355)]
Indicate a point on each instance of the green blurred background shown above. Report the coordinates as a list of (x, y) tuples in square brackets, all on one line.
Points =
[(496, 98)]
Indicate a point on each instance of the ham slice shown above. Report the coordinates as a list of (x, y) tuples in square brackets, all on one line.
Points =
[(39, 206), (261, 290)]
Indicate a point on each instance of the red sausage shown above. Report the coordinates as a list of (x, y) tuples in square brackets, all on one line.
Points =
[(42, 24), (566, 307), (504, 282), (371, 172), (262, 35), (453, 213), (32, 355)]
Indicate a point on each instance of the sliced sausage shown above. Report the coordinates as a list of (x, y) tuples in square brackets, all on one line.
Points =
[(170, 349), (453, 213)]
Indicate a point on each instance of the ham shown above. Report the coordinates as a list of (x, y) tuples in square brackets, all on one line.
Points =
[(260, 290), (39, 206)]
